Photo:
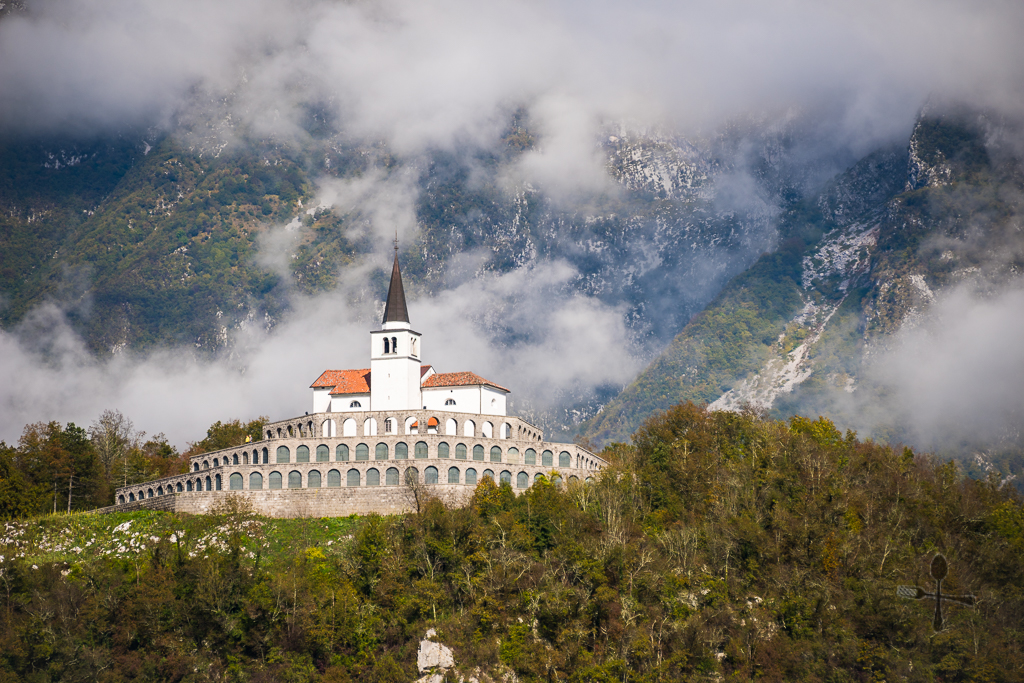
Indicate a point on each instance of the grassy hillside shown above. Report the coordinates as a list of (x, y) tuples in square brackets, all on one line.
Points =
[(717, 547)]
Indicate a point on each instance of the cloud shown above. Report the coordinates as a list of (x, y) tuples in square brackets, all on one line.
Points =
[(423, 75), (437, 73), (960, 373), (524, 330)]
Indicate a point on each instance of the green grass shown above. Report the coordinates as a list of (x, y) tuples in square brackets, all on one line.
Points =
[(82, 537)]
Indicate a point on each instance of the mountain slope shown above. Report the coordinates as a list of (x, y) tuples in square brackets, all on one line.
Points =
[(860, 262)]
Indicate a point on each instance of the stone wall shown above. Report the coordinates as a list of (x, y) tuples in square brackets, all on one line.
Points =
[(385, 500)]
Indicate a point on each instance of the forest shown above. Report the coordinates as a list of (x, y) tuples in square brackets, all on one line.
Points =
[(717, 546)]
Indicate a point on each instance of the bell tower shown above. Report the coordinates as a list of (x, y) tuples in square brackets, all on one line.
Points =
[(395, 353)]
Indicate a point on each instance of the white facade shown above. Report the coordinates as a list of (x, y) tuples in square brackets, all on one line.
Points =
[(350, 403), (480, 399), (395, 368)]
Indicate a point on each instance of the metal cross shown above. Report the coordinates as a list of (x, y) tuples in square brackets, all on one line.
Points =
[(939, 570)]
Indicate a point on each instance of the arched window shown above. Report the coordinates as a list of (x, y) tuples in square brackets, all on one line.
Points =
[(188, 486), (460, 451), (120, 500), (442, 450), (506, 477), (266, 457), (450, 402), (302, 454), (372, 477), (451, 427), (313, 479), (432, 425), (275, 480), (478, 452), (391, 476), (270, 434), (421, 450), (209, 484), (381, 451), (556, 480), (412, 425), (394, 345), (245, 457), (362, 452), (159, 491), (255, 481), (495, 454), (355, 404), (234, 458), (387, 345), (546, 457), (513, 454), (538, 477), (216, 462), (149, 493), (369, 427), (199, 486), (574, 479), (195, 467), (431, 475), (352, 478), (522, 480), (178, 487), (323, 453), (295, 479), (563, 459), (487, 430), (290, 432), (469, 428), (348, 427), (235, 482), (333, 479), (341, 453), (283, 454), (206, 464), (506, 430), (590, 480), (131, 497), (471, 477), (401, 451), (489, 474), (453, 475), (412, 475), (218, 479), (327, 428)]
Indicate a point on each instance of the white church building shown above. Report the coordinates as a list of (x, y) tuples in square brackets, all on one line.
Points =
[(377, 440)]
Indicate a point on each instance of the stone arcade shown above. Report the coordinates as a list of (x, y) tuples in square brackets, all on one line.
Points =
[(376, 437)]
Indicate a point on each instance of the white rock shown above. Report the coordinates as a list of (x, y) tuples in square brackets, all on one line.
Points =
[(433, 656)]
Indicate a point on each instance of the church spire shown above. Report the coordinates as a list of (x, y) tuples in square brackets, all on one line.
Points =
[(395, 309)]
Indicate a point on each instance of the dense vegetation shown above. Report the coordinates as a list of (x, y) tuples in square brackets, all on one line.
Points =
[(718, 546), (54, 468)]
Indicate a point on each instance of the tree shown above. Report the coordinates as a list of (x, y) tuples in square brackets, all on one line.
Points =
[(227, 434), (113, 436), (64, 462)]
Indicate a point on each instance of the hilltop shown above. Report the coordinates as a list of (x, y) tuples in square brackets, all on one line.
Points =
[(718, 546)]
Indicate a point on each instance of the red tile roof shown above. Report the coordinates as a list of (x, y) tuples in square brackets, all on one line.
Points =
[(424, 369), (460, 379), (344, 381)]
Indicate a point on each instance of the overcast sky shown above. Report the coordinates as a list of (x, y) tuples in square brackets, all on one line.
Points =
[(437, 74)]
